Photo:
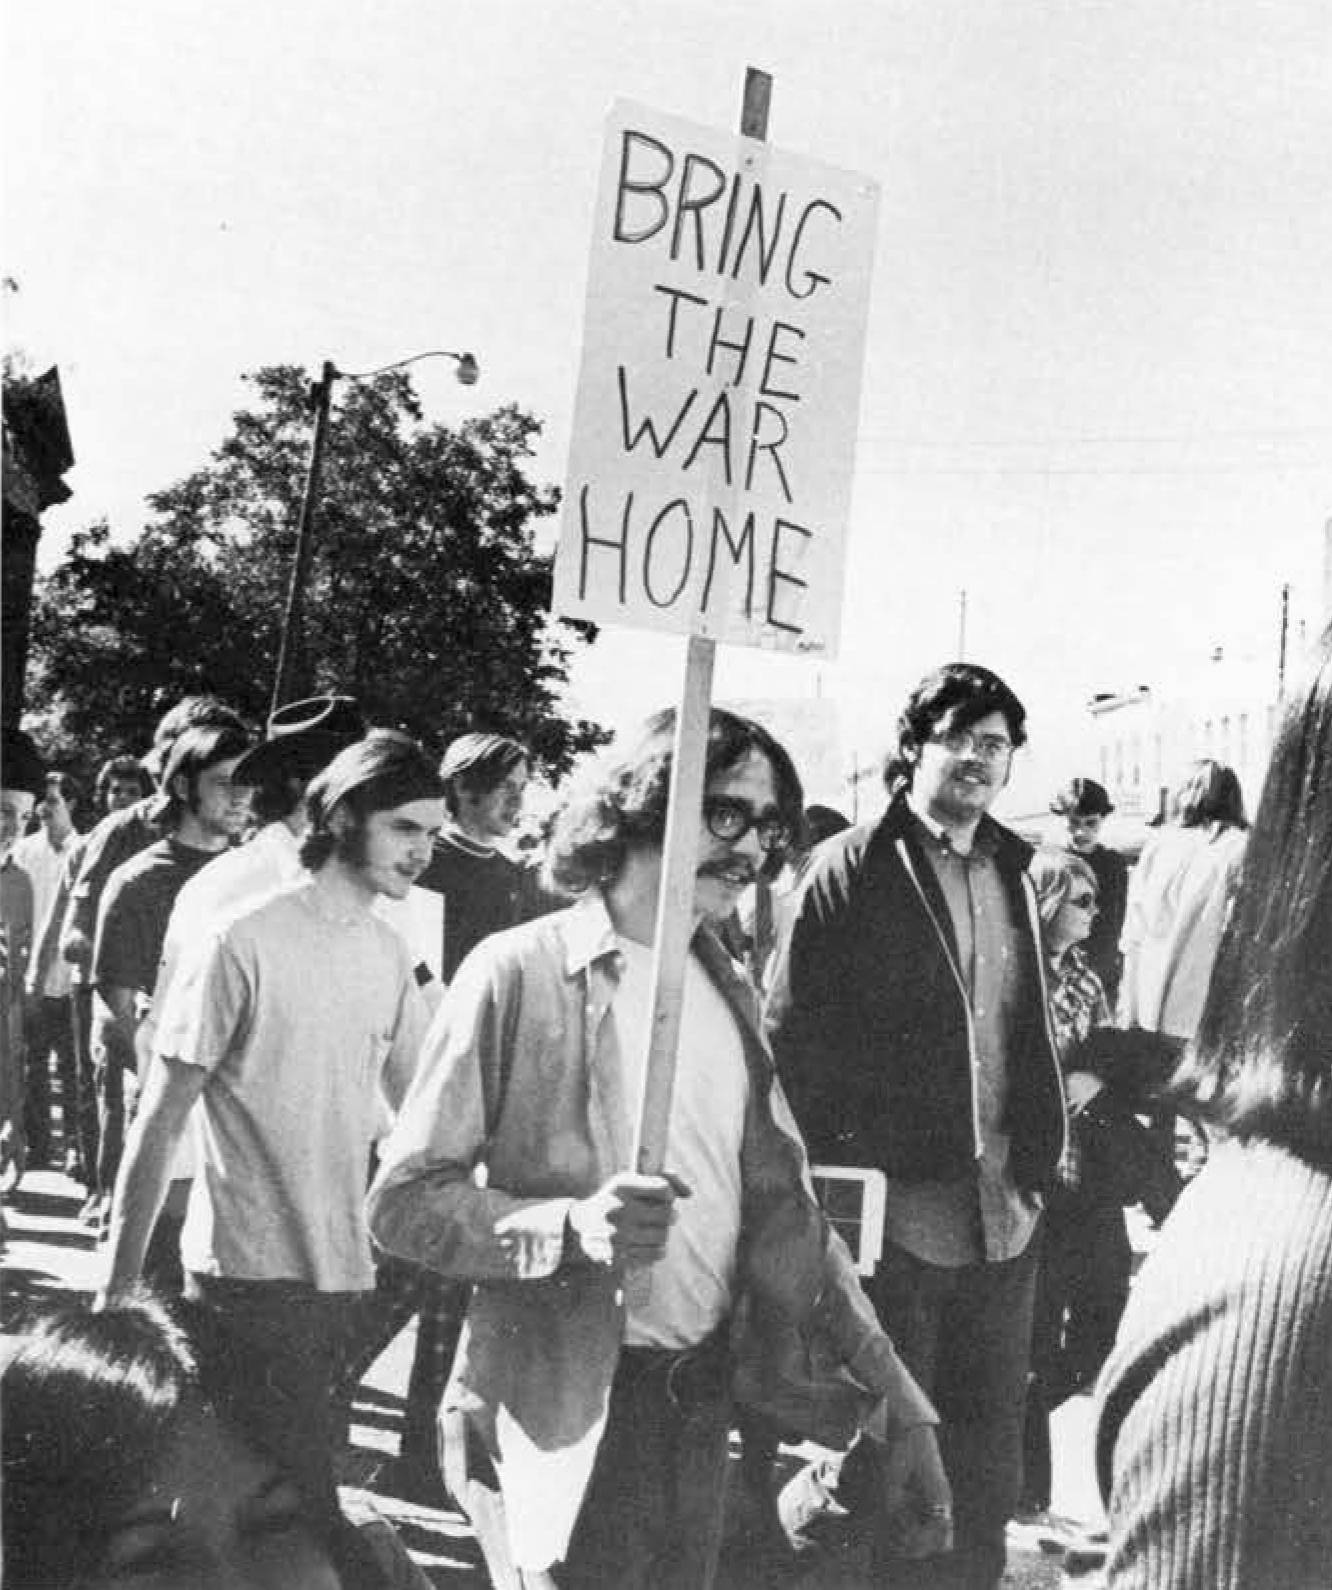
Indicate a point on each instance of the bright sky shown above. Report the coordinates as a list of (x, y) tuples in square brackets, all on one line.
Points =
[(1098, 391)]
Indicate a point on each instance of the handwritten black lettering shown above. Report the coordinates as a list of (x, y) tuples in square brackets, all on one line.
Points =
[(813, 279), (589, 540), (741, 549), (775, 356), (780, 576), (693, 204), (772, 446), (647, 427), (656, 188), (677, 504)]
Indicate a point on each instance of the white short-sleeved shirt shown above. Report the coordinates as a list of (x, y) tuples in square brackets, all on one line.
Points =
[(304, 1018)]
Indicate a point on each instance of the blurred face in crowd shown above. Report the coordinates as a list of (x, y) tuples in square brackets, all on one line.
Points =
[(122, 791), (960, 772), (218, 806), (1084, 833), (215, 1516), (387, 851), (15, 810), (54, 811), (493, 813)]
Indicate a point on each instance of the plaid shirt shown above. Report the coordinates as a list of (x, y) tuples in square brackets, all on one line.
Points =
[(1077, 1002)]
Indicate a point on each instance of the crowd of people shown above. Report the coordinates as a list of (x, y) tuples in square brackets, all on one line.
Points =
[(327, 1058)]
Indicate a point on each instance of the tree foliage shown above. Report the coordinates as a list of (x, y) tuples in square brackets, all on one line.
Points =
[(427, 598)]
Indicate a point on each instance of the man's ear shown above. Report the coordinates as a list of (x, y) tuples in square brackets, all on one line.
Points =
[(340, 821), (178, 788)]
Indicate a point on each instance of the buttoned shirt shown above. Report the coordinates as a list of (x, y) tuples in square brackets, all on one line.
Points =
[(953, 1223)]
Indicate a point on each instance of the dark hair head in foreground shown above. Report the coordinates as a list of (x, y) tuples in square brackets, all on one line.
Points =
[(1261, 1066)]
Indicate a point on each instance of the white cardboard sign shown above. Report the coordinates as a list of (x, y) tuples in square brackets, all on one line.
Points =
[(714, 427)]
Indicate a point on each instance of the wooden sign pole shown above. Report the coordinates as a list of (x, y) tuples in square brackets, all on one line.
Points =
[(675, 904)]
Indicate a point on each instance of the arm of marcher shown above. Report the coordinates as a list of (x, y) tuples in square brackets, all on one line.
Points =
[(169, 1095), (428, 1203)]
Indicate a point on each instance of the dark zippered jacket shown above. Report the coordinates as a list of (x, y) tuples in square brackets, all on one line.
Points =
[(870, 1022)]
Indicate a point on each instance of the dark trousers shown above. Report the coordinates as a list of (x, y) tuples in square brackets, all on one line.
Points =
[(965, 1334), (1082, 1287), (653, 1513), (110, 1065), (652, 1516), (50, 1032), (282, 1343), (401, 1291), (80, 1011)]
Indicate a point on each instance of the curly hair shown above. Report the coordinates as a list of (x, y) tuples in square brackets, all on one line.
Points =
[(621, 803)]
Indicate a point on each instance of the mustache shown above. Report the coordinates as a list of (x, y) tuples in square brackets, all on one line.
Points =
[(728, 865)]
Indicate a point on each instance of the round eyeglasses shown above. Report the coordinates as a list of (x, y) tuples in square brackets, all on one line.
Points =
[(731, 819), (963, 742)]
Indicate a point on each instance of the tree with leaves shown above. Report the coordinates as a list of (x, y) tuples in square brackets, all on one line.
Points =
[(427, 597)]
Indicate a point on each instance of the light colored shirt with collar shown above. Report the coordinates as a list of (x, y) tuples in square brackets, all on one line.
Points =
[(953, 1223)]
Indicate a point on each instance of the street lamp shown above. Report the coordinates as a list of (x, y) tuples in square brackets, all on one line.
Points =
[(321, 394)]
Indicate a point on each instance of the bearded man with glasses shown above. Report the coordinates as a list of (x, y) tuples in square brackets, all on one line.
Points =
[(909, 1021), (586, 1424)]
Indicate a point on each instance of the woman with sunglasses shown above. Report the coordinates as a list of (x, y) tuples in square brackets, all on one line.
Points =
[(1085, 1264)]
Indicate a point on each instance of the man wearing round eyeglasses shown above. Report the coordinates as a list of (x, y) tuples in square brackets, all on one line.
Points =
[(908, 1017), (603, 1401)]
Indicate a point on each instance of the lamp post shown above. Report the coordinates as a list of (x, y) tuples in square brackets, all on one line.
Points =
[(321, 395)]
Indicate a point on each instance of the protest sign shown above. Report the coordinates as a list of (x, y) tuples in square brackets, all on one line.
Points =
[(715, 421)]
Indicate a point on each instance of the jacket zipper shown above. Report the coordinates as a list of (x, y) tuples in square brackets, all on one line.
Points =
[(972, 1060)]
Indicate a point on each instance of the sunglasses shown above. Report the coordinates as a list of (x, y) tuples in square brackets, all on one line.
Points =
[(730, 819)]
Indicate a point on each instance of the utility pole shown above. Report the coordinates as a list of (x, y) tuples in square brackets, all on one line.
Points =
[(321, 394), (1285, 632), (466, 372)]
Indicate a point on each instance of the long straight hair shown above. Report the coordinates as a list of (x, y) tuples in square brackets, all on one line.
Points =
[(1261, 1066)]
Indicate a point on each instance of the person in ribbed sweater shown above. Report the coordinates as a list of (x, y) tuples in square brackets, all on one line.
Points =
[(1214, 1446)]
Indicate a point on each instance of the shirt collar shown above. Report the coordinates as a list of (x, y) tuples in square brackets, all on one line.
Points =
[(983, 844), (589, 934)]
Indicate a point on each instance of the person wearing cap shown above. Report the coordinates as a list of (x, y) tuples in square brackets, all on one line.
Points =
[(290, 1026), (203, 813), (302, 738), (1084, 805), (22, 781), (484, 778)]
